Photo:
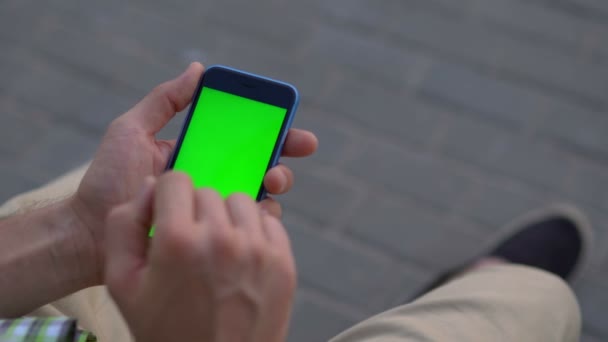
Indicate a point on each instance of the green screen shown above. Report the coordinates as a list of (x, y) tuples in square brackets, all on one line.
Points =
[(229, 142)]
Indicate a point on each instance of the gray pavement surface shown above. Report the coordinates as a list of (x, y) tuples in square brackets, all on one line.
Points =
[(439, 121)]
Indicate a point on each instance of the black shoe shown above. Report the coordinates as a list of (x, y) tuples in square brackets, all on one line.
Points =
[(556, 239)]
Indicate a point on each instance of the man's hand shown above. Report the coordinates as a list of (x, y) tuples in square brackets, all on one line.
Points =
[(129, 152), (215, 270)]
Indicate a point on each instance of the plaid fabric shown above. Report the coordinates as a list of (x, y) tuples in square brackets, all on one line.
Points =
[(43, 329)]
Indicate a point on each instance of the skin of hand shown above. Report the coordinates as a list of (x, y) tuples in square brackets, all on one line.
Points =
[(129, 152), (215, 270)]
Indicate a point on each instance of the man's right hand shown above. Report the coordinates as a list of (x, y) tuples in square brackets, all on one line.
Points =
[(215, 270)]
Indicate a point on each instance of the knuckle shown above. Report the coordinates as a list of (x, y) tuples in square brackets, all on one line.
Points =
[(182, 178), (208, 193), (276, 229), (123, 126), (163, 93), (224, 247), (176, 178), (160, 90), (258, 256), (239, 197), (177, 244)]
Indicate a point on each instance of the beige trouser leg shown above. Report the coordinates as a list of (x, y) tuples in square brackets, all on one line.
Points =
[(497, 303), (93, 307)]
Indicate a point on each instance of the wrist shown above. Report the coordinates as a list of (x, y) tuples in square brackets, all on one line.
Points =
[(45, 254), (82, 229)]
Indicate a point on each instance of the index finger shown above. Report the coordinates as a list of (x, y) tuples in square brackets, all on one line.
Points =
[(173, 201)]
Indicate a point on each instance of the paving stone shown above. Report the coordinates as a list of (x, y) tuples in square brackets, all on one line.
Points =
[(422, 177), (450, 36), (495, 204), (599, 224), (508, 154), (365, 12), (584, 183), (590, 338), (345, 273), (56, 152), (412, 233), (315, 321), (279, 22), (536, 22), (533, 163), (11, 65), (384, 112), (371, 103), (591, 5), (481, 94), (22, 125), (475, 44), (334, 139), (19, 19), (342, 49), (177, 12), (68, 95), (583, 129), (13, 182), (114, 62), (557, 71), (593, 301), (317, 198), (142, 26), (471, 139), (258, 56)]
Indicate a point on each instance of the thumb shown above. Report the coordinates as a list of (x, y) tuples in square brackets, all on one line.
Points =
[(126, 239), (166, 148), (163, 102)]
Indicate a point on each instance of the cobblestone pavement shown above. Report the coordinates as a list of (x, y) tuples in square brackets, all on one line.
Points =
[(439, 121)]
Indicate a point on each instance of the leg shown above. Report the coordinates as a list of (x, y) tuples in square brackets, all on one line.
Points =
[(62, 187), (93, 307), (494, 303), (515, 291)]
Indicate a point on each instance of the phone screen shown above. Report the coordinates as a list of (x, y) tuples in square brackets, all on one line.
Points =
[(229, 142)]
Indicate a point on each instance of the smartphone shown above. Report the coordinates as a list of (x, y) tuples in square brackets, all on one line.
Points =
[(234, 131)]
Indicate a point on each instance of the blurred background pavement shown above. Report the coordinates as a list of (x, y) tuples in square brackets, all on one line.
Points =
[(439, 121)]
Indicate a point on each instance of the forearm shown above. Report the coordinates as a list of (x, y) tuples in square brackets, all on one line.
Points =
[(45, 254)]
